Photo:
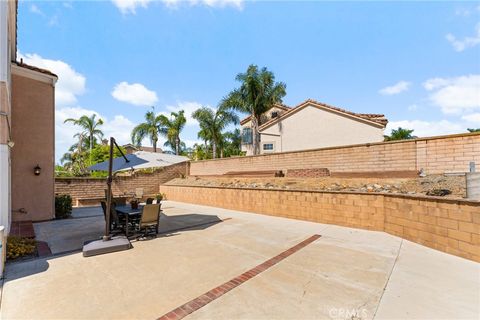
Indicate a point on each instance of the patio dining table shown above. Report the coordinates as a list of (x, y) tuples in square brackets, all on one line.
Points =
[(128, 212)]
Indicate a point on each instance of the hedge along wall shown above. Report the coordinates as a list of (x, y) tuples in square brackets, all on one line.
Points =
[(452, 226), (435, 154), (85, 188)]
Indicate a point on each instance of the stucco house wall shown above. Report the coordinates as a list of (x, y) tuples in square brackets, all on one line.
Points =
[(247, 123), (33, 116), (317, 128)]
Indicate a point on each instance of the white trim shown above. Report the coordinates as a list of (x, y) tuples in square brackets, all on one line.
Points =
[(34, 75), (268, 150), (5, 191)]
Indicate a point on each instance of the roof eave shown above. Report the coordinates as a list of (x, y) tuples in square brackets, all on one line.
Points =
[(316, 104)]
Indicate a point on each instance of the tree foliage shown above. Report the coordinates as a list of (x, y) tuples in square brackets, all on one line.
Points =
[(400, 134), (212, 123), (101, 153), (90, 126), (258, 92), (151, 129), (171, 129)]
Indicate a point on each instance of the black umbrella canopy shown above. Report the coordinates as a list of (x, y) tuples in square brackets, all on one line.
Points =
[(120, 163), (140, 160)]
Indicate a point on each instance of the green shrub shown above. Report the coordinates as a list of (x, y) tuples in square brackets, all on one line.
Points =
[(63, 206), (18, 247)]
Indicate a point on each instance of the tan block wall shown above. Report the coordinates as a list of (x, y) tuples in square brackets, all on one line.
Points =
[(33, 131), (451, 226), (435, 155), (79, 188)]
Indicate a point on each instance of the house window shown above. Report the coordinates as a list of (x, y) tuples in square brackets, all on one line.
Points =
[(268, 146), (247, 136), (274, 114)]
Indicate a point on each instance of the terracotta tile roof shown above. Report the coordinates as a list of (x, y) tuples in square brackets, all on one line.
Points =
[(375, 117), (372, 117), (278, 105), (27, 66)]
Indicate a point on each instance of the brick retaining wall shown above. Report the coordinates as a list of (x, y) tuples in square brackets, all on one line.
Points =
[(448, 225), (435, 155), (82, 188), (308, 173)]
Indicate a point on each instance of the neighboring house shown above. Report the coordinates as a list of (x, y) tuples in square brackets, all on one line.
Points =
[(130, 148), (312, 125), (27, 118)]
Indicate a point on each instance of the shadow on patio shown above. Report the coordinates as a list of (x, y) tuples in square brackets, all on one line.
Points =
[(69, 235)]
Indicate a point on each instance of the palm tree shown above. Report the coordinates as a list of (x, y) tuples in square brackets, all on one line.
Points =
[(90, 127), (400, 134), (73, 161), (212, 123), (182, 147), (258, 92), (171, 129), (232, 143), (151, 128)]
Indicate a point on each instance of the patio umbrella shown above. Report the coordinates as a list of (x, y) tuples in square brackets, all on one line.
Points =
[(140, 160), (107, 244)]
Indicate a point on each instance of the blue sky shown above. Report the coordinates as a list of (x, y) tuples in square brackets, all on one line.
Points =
[(418, 63)]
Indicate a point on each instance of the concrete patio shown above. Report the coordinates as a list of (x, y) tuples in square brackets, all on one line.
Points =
[(345, 274)]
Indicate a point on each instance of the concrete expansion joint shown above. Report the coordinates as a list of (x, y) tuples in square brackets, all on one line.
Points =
[(388, 279)]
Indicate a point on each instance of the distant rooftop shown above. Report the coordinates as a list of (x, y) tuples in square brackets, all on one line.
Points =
[(374, 117), (132, 148)]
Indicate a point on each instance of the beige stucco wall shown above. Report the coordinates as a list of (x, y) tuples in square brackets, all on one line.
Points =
[(264, 118), (33, 123), (312, 128)]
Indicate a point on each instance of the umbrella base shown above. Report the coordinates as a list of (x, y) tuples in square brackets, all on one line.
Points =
[(106, 246)]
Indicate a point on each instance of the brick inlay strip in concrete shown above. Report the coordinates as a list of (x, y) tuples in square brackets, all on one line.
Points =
[(206, 298)]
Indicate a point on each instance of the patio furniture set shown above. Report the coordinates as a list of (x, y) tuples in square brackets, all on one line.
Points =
[(125, 219)]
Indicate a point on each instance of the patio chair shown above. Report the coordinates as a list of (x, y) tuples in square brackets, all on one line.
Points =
[(138, 193), (116, 223), (150, 218), (149, 201)]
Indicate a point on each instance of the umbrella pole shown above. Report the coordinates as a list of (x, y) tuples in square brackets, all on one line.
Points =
[(109, 191)]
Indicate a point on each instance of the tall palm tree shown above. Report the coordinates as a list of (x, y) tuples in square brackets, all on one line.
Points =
[(171, 129), (90, 127), (258, 92), (151, 128), (212, 123)]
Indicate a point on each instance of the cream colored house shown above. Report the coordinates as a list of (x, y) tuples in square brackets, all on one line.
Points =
[(312, 125)]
